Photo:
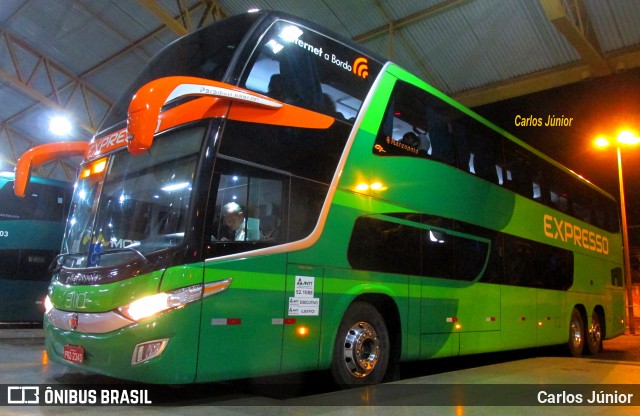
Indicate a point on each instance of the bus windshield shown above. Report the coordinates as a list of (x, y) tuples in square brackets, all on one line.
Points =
[(205, 53), (135, 206)]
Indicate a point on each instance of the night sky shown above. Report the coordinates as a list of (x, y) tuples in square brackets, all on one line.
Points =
[(598, 106)]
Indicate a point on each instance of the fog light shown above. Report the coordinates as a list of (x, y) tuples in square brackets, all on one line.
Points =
[(148, 350)]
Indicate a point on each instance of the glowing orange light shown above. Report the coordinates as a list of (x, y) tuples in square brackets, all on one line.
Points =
[(98, 166), (302, 331), (374, 186), (458, 326), (628, 137), (93, 168), (602, 142)]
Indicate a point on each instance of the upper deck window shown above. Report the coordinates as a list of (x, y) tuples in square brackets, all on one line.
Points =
[(301, 67)]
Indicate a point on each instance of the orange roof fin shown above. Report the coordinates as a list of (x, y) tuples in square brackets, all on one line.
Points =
[(143, 118), (39, 155)]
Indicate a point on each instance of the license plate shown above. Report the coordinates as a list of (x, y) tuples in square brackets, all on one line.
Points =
[(73, 353)]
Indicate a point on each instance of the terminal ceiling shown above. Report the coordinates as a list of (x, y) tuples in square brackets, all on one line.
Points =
[(76, 56)]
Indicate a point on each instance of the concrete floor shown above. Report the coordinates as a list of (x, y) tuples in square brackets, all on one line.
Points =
[(489, 384)]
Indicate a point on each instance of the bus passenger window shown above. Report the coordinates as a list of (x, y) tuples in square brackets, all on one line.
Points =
[(559, 195), (582, 203), (384, 246), (479, 149), (522, 174), (416, 124)]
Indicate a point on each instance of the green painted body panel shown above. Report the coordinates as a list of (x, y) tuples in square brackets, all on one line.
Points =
[(182, 276), (110, 354), (249, 344), (419, 184), (104, 297)]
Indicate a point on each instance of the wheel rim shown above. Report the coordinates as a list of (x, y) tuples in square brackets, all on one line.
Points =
[(576, 334), (595, 332), (361, 349)]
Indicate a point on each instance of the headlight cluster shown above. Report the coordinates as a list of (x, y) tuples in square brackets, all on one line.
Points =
[(151, 305)]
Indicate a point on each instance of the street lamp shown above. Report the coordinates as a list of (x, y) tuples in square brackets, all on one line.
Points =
[(625, 138)]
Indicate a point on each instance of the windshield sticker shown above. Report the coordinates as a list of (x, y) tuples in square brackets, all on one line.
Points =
[(113, 243), (360, 65)]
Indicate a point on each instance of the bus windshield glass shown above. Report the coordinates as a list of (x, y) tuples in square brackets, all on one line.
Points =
[(142, 204), (299, 66), (205, 53)]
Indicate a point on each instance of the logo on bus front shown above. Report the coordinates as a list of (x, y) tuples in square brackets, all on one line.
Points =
[(108, 143), (74, 321)]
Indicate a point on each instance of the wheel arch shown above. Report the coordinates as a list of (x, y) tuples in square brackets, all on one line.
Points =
[(583, 311), (390, 312), (391, 315)]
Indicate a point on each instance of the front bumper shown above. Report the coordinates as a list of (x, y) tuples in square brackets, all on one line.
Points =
[(109, 342)]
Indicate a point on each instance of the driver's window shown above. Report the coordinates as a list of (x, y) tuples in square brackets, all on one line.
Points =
[(248, 206)]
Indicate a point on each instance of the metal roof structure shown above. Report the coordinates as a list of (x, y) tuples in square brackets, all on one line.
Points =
[(76, 56)]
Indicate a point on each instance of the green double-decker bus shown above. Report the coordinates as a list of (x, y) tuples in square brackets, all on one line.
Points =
[(31, 230), (268, 197)]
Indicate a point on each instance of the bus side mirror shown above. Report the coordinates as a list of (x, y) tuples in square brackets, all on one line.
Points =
[(144, 116), (40, 155)]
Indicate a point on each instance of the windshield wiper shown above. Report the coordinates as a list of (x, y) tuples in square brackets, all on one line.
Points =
[(131, 249), (56, 264)]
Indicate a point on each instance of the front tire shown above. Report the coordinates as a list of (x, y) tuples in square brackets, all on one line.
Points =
[(576, 334), (362, 349)]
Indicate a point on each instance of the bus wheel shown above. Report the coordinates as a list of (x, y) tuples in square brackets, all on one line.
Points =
[(594, 335), (576, 334), (361, 351)]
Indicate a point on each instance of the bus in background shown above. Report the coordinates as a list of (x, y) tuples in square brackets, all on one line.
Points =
[(31, 231), (267, 197)]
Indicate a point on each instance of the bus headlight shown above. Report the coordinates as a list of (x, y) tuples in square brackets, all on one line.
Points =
[(154, 304)]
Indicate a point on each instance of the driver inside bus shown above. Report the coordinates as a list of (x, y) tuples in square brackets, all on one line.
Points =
[(234, 224)]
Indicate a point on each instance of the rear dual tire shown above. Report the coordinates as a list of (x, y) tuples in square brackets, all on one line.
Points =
[(580, 336), (595, 334)]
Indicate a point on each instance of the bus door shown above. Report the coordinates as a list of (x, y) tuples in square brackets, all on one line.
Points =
[(241, 328), (301, 322), (242, 323)]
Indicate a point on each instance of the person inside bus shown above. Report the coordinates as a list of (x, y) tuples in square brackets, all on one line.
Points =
[(234, 224), (412, 140)]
